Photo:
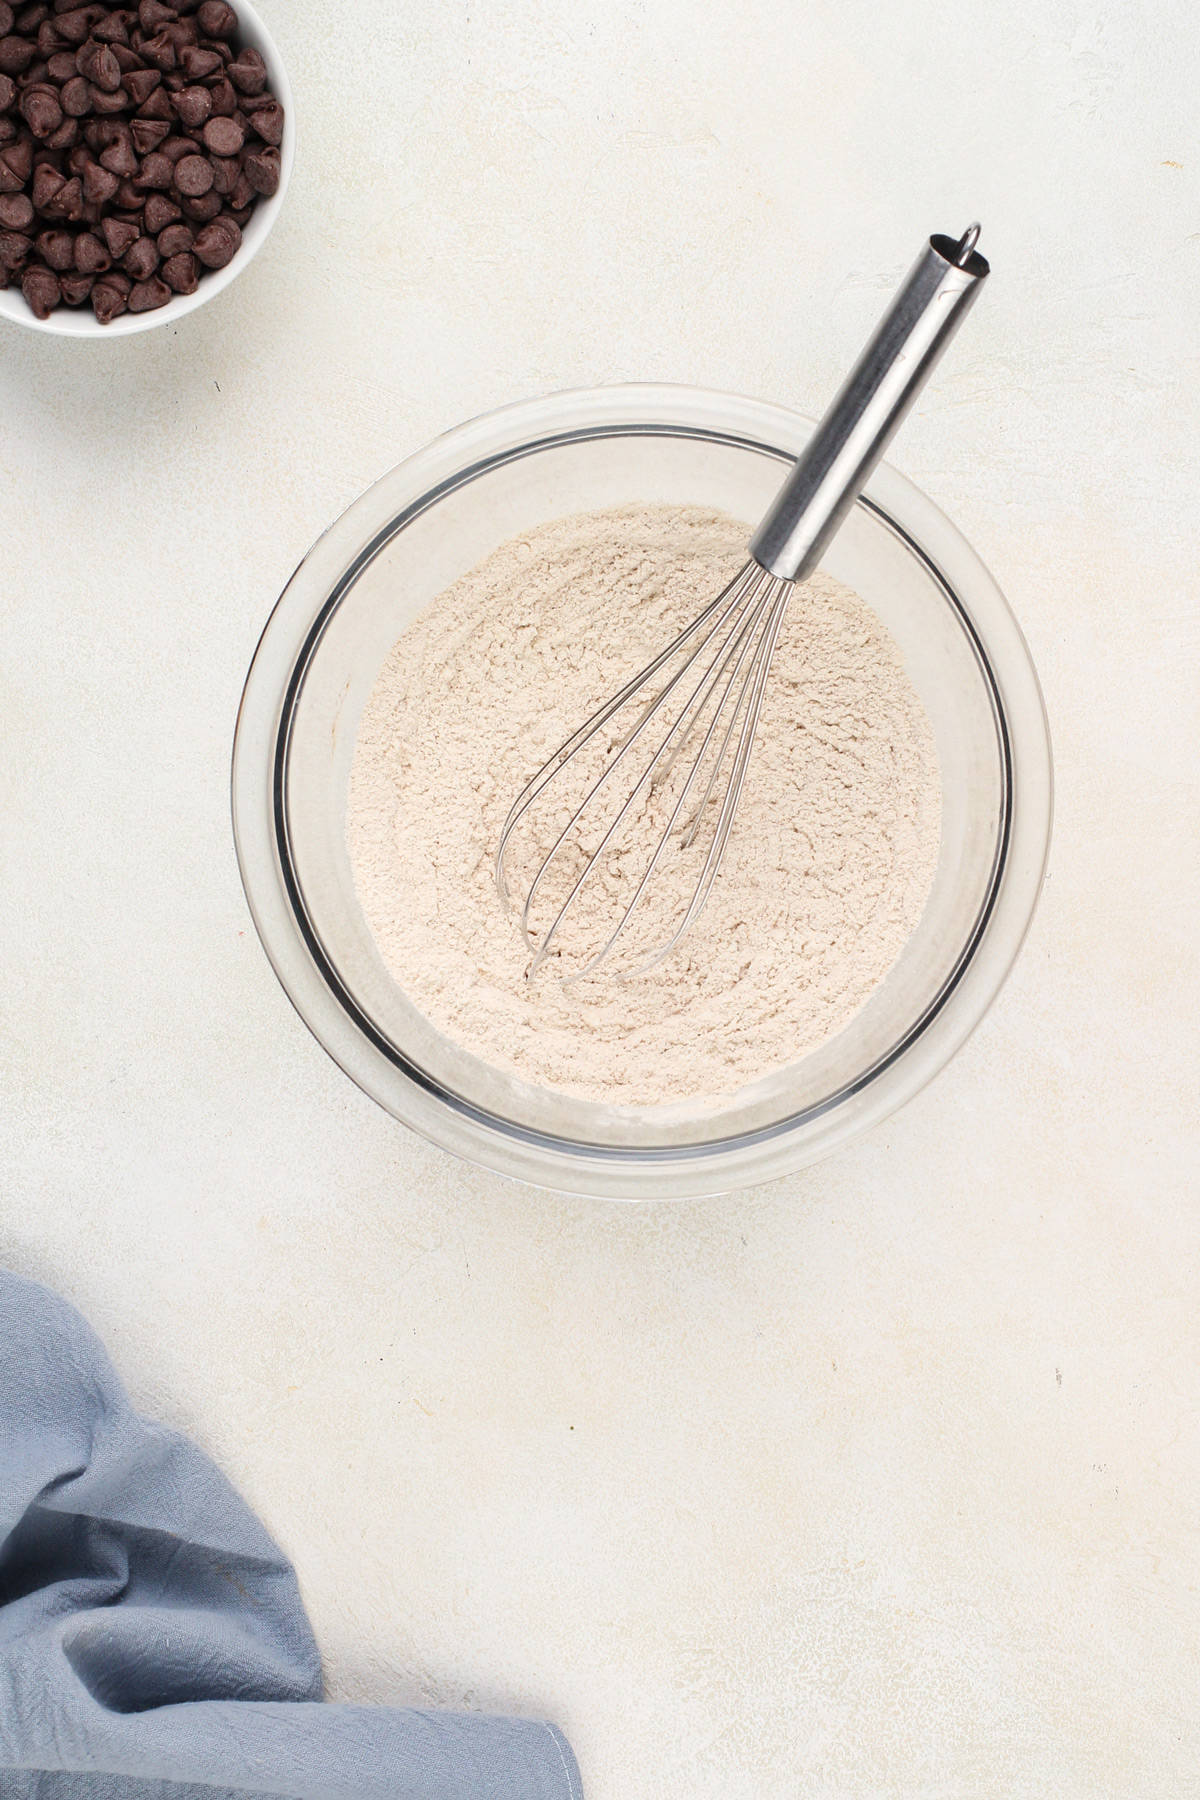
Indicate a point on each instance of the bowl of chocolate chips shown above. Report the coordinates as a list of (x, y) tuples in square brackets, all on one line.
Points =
[(144, 154)]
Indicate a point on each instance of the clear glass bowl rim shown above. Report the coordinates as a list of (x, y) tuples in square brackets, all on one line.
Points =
[(409, 1094)]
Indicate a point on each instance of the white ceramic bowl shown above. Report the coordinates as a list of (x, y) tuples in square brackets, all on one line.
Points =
[(81, 321)]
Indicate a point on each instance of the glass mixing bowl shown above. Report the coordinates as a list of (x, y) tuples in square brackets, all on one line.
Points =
[(436, 516)]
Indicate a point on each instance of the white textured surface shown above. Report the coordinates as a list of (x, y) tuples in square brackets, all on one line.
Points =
[(883, 1481)]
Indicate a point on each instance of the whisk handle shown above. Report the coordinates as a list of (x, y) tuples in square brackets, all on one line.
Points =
[(873, 402)]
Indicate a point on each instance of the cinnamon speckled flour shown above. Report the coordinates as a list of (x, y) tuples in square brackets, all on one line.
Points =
[(831, 860)]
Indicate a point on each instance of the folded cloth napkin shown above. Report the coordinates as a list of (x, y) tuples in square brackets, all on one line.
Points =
[(153, 1645)]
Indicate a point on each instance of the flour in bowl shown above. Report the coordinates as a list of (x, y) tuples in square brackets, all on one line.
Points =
[(831, 860)]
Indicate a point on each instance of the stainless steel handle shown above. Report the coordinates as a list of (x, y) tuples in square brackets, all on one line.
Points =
[(870, 407)]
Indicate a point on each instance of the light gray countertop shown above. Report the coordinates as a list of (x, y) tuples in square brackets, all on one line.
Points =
[(880, 1482)]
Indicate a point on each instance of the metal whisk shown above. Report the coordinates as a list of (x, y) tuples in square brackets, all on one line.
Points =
[(705, 689)]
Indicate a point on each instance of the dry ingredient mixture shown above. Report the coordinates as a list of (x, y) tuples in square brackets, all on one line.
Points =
[(830, 864)]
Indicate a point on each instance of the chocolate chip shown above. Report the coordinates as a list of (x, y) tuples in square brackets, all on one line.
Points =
[(141, 259), (203, 208), (61, 67), (160, 50), (224, 137), (227, 172), (97, 64), (110, 104), (47, 182), (216, 19), (193, 105), (120, 158), (149, 134), (160, 212), (110, 297), (175, 239), (248, 73), (184, 34), (118, 234), (112, 28), (116, 282), (193, 176), (141, 83), (218, 243), (41, 290), (99, 184), (75, 288), (91, 256), (6, 18), (19, 157), (41, 110), (17, 54), (74, 26), (158, 106), (197, 62), (267, 121), (67, 202), (14, 249), (263, 171), (8, 92), (56, 248), (9, 183), (182, 273), (224, 98), (148, 296), (16, 212), (76, 98), (152, 14), (156, 171)]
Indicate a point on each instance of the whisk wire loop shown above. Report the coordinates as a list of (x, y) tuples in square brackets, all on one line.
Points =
[(732, 593), (743, 642), (653, 767), (733, 639)]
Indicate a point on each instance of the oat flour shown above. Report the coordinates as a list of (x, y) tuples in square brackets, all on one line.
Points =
[(831, 860)]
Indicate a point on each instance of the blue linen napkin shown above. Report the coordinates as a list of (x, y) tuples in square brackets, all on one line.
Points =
[(153, 1644)]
